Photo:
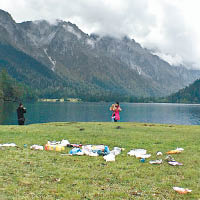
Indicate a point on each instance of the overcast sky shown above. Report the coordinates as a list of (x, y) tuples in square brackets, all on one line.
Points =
[(170, 27)]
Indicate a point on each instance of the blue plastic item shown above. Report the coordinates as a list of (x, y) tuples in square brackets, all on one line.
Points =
[(100, 152), (142, 160), (75, 151), (106, 150)]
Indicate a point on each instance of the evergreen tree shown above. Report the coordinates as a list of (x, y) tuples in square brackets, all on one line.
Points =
[(11, 90)]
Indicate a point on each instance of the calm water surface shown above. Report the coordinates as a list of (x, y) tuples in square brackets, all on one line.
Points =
[(42, 112)]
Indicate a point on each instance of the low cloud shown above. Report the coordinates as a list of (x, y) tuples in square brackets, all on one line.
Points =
[(170, 27)]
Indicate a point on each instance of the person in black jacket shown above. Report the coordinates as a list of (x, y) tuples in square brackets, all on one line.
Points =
[(20, 114)]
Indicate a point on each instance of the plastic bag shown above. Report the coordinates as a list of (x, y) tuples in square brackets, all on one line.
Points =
[(36, 147), (8, 145), (174, 163), (109, 158), (182, 190), (156, 161), (74, 151)]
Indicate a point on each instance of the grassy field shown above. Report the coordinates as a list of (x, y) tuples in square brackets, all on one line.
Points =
[(29, 174)]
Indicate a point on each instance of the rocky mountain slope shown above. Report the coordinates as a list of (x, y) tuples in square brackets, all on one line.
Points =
[(83, 64)]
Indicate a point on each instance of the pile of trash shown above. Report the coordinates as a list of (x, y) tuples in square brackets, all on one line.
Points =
[(97, 150), (91, 150), (80, 150), (139, 153), (56, 146), (142, 154), (108, 155)]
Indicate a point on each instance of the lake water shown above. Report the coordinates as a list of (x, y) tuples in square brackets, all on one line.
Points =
[(42, 112)]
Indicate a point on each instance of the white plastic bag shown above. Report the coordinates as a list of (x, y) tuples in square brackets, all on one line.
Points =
[(36, 147), (109, 158)]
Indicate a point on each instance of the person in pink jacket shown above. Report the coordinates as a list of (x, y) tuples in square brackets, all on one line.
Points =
[(116, 109)]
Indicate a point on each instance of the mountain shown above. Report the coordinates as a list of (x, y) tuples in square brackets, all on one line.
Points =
[(190, 94), (62, 60)]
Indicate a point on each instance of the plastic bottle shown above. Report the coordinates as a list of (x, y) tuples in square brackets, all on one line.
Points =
[(46, 147), (106, 150)]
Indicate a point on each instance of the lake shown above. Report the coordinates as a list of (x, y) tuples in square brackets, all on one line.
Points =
[(42, 112)]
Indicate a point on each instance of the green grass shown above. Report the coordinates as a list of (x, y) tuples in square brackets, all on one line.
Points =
[(28, 174)]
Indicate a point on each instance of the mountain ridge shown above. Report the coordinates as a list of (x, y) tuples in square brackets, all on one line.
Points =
[(110, 65)]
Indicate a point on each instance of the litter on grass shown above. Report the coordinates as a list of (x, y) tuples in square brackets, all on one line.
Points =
[(56, 146), (75, 151), (97, 150), (171, 161), (116, 151), (74, 145), (143, 156), (159, 153), (176, 151), (36, 147), (139, 153), (91, 150), (63, 143), (134, 152), (109, 158), (169, 158), (156, 161), (179, 149), (8, 145), (174, 163), (182, 190)]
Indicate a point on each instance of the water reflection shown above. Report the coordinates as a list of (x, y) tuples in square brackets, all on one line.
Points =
[(6, 112), (163, 113), (42, 112)]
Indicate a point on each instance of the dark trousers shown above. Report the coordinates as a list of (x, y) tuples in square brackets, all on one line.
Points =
[(21, 121)]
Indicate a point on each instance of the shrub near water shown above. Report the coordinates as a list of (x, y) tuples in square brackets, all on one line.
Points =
[(28, 174)]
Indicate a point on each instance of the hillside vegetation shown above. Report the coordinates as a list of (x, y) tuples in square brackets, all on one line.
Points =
[(11, 90), (190, 94)]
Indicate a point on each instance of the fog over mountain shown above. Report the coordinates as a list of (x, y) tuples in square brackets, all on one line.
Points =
[(88, 66), (169, 28)]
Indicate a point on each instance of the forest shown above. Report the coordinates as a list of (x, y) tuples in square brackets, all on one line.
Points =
[(11, 90), (189, 94)]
